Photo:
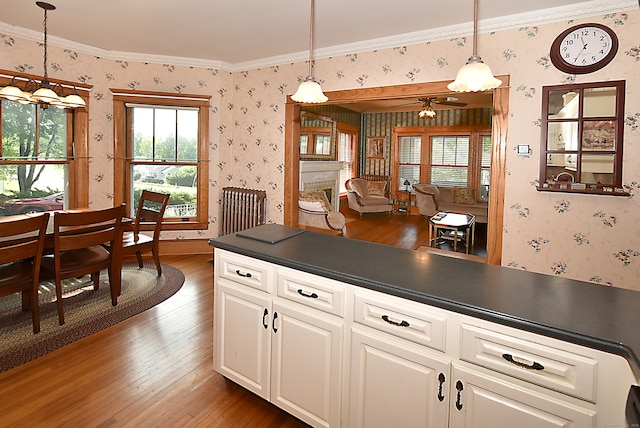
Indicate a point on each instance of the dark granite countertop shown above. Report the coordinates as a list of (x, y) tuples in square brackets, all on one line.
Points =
[(596, 316)]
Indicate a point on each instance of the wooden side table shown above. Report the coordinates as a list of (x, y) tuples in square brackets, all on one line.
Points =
[(403, 198)]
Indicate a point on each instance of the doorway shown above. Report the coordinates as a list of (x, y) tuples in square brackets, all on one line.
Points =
[(499, 133)]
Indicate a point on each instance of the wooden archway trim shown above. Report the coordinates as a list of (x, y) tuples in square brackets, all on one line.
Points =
[(498, 158)]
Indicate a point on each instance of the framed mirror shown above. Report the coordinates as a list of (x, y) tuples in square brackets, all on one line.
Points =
[(581, 138), (318, 137)]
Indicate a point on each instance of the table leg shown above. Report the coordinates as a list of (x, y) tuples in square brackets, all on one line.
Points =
[(466, 239), (455, 238)]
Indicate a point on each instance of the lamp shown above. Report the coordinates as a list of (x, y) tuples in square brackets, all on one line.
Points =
[(406, 183), (309, 90), (427, 110), (475, 75), (44, 94)]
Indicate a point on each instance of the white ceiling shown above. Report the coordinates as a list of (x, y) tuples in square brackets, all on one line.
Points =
[(236, 33)]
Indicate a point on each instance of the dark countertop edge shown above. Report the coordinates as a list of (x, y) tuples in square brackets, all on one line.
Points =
[(498, 317)]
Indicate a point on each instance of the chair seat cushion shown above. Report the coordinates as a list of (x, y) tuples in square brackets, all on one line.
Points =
[(374, 200)]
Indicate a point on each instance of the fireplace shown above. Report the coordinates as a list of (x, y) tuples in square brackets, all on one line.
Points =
[(322, 175)]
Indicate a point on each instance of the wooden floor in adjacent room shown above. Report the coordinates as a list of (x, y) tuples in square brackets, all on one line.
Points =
[(156, 368)]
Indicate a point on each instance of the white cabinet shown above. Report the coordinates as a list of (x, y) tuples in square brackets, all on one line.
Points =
[(333, 354), (284, 349), (479, 400), (394, 383)]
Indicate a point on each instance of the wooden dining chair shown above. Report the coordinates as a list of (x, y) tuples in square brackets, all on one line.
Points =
[(78, 239), (149, 215), (21, 243)]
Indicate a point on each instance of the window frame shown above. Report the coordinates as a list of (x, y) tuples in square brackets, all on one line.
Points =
[(77, 191), (122, 159), (474, 133)]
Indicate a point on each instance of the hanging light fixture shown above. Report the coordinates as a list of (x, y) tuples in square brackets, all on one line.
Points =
[(309, 90), (427, 110), (475, 75), (44, 94)]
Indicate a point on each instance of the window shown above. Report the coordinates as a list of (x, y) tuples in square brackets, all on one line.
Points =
[(450, 160), (582, 138), (445, 156), (347, 153), (41, 167), (161, 146)]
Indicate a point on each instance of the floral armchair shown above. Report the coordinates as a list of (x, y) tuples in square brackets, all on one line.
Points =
[(315, 210)]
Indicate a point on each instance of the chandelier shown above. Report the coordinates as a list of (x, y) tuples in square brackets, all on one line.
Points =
[(427, 110), (309, 90), (475, 75), (43, 94)]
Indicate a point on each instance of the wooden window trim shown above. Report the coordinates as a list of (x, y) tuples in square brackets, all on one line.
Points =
[(121, 189)]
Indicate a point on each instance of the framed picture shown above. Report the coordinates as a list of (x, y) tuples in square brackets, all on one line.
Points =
[(376, 147)]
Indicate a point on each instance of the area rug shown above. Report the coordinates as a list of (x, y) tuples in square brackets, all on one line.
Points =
[(86, 311)]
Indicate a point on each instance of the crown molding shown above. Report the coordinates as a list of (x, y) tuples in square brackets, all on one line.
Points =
[(538, 17)]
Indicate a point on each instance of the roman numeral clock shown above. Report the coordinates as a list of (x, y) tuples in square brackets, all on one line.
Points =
[(584, 48)]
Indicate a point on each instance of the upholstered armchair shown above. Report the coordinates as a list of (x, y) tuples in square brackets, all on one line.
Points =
[(315, 210), (366, 196), (427, 198)]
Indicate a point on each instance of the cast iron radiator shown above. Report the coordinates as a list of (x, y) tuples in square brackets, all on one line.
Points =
[(242, 209)]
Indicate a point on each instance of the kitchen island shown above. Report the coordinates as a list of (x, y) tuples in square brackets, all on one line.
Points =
[(550, 339)]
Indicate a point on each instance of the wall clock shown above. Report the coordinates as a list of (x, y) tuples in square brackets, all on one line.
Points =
[(584, 48)]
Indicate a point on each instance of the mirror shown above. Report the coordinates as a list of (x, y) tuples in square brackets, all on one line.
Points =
[(582, 138), (317, 137)]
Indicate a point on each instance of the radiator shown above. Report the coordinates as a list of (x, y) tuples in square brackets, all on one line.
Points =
[(242, 209)]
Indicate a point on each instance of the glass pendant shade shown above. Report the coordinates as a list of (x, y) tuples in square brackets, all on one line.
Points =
[(73, 101), (427, 112), (309, 91), (474, 76), (45, 95), (12, 93)]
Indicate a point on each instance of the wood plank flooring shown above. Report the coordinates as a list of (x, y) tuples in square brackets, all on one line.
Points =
[(156, 369)]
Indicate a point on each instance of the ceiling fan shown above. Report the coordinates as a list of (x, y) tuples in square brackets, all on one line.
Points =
[(427, 110)]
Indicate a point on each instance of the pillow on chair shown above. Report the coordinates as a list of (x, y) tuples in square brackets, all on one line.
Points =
[(313, 199), (376, 188), (464, 195)]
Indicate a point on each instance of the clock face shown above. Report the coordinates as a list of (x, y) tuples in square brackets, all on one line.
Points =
[(584, 48)]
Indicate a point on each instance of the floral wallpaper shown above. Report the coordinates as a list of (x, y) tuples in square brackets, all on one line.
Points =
[(587, 237)]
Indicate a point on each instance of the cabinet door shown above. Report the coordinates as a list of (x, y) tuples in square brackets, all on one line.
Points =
[(306, 364), (396, 383), (242, 338), (481, 401)]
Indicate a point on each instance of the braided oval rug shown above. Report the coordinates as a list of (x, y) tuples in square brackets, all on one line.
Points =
[(86, 310)]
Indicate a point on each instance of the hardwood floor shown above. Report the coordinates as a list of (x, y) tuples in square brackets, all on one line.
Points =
[(402, 230), (156, 369)]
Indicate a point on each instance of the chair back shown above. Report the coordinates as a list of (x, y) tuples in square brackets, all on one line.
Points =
[(427, 198), (23, 237), (151, 207), (83, 229)]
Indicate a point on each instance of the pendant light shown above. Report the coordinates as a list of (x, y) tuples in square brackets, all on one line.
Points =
[(475, 75), (309, 90), (44, 94)]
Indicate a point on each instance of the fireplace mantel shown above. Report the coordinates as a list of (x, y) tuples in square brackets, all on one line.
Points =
[(322, 175)]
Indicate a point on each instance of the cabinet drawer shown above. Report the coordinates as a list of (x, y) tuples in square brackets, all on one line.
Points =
[(311, 290), (408, 320), (244, 270), (542, 364)]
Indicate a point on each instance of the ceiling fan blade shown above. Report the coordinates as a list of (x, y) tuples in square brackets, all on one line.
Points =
[(445, 102)]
